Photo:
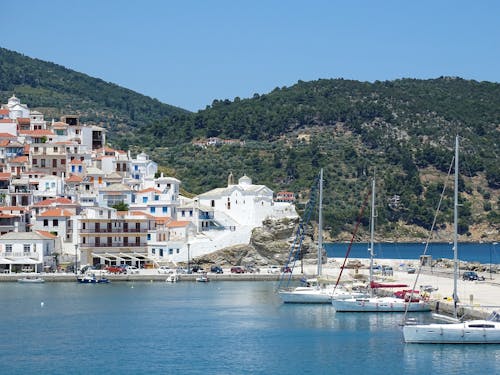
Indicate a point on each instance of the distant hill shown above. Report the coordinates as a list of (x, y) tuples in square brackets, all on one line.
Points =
[(401, 130), (55, 90)]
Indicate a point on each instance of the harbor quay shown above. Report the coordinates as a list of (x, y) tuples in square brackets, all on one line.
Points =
[(477, 298)]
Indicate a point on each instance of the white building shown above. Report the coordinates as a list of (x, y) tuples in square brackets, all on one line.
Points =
[(26, 251), (245, 203)]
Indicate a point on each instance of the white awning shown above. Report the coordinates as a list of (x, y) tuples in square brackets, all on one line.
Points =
[(24, 260), (5, 261)]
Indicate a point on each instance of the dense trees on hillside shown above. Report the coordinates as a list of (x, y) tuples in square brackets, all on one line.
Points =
[(400, 131)]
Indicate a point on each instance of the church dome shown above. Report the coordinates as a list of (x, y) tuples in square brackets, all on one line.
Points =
[(245, 180)]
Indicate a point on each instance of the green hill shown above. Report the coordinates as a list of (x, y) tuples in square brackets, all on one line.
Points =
[(55, 91), (401, 130)]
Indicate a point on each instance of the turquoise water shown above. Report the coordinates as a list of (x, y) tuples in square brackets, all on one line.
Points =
[(484, 253), (213, 328)]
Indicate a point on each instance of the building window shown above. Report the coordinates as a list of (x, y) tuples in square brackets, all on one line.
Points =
[(45, 223), (149, 237), (55, 223), (164, 210), (152, 209), (35, 161), (8, 248), (144, 199), (26, 248), (153, 251), (157, 197), (170, 251), (212, 203)]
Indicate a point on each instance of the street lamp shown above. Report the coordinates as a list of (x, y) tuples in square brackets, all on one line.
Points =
[(76, 259)]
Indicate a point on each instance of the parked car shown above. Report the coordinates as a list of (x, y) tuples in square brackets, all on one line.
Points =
[(471, 276), (116, 269), (411, 270), (216, 269), (131, 270), (165, 270), (237, 269), (197, 269), (273, 269)]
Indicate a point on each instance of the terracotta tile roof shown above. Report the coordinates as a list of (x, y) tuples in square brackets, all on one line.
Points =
[(178, 224), (19, 159), (7, 135), (148, 190), (38, 132), (76, 161), (74, 178), (44, 233), (56, 212), (4, 111), (23, 120), (4, 143), (6, 120), (51, 201), (5, 176)]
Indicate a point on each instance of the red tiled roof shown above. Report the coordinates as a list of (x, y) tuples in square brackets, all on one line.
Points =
[(149, 190), (46, 234), (7, 135), (50, 201), (23, 120), (19, 159), (74, 178), (38, 132), (178, 224), (5, 176), (59, 212)]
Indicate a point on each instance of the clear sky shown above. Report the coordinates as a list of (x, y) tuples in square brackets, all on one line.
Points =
[(187, 53)]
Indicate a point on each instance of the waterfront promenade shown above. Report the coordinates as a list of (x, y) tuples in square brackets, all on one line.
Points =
[(479, 297)]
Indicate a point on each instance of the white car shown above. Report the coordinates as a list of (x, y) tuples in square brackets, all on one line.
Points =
[(165, 270), (132, 269)]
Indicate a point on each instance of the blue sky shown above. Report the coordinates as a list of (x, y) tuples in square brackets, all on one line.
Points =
[(188, 53)]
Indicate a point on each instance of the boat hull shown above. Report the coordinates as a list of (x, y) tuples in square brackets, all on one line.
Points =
[(472, 332), (311, 295), (31, 281), (93, 281), (378, 305)]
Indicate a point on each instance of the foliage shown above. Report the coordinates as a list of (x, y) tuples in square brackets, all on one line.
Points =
[(393, 130)]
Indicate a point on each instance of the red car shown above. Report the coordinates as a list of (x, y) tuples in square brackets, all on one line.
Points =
[(116, 269), (237, 269)]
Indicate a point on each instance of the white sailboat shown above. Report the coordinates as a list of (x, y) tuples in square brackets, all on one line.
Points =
[(482, 331), (314, 290), (374, 303)]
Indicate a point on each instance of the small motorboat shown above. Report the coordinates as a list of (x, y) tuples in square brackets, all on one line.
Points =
[(203, 279), (31, 280), (92, 279)]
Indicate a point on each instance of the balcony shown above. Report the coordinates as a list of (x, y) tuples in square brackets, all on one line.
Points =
[(113, 245), (114, 230)]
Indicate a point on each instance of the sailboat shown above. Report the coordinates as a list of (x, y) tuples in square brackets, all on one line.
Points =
[(482, 331), (375, 303), (314, 291)]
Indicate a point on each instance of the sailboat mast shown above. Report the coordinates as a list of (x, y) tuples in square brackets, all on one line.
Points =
[(455, 233), (320, 224), (372, 231)]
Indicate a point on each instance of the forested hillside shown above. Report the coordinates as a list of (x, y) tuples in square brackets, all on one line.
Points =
[(401, 131)]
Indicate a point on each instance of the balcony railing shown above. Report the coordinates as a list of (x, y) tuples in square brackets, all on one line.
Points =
[(113, 245), (114, 230)]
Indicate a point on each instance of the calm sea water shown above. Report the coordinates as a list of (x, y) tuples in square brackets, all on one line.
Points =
[(214, 328), (471, 252)]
